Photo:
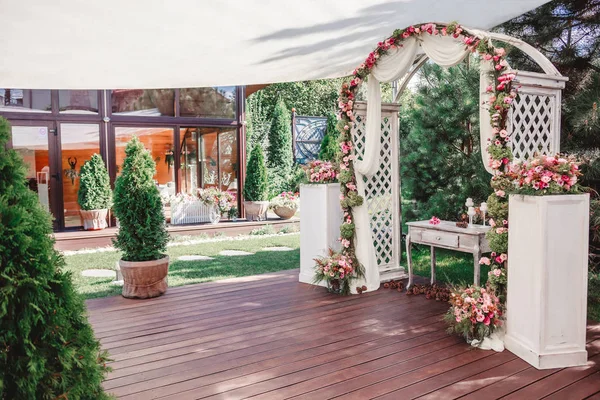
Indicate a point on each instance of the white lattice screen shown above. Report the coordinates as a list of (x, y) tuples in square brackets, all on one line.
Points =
[(383, 190), (534, 120)]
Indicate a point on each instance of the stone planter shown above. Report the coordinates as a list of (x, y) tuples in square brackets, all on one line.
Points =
[(256, 210), (144, 279), (547, 279), (93, 220), (320, 221), (284, 212)]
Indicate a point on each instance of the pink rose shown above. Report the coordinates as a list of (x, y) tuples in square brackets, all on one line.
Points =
[(484, 261)]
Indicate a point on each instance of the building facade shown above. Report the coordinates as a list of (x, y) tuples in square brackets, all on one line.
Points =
[(195, 135)]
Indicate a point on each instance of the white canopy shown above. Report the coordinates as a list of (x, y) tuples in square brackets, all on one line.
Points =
[(77, 44)]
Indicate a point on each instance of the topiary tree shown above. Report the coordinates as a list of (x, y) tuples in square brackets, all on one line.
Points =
[(142, 234), (94, 185), (256, 185), (329, 145), (47, 346), (279, 151)]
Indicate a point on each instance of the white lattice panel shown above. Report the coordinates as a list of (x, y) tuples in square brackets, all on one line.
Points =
[(382, 189), (531, 122)]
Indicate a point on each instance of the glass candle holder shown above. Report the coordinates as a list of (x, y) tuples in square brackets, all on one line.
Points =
[(483, 207)]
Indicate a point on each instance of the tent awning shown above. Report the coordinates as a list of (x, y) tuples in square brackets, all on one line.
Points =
[(75, 44)]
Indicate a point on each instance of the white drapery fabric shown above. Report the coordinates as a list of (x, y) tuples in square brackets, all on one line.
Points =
[(443, 50), (485, 127)]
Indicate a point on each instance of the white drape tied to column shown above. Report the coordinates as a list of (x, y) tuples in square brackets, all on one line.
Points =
[(443, 50)]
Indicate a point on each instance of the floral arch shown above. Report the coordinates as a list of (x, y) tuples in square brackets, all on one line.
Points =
[(511, 101)]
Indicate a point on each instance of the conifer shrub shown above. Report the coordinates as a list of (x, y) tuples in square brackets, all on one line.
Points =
[(47, 346), (256, 185), (142, 234), (94, 185), (279, 151), (329, 145)]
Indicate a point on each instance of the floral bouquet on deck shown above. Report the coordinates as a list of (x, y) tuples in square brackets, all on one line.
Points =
[(337, 269), (318, 171), (213, 197), (546, 175), (475, 313)]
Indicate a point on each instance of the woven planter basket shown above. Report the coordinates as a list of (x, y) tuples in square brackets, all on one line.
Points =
[(144, 279), (93, 220), (284, 212), (256, 210)]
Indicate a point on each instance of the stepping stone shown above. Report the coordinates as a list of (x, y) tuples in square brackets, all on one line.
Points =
[(278, 248), (195, 258), (117, 283), (98, 273), (235, 253)]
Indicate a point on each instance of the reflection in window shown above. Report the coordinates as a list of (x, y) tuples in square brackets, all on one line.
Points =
[(140, 102), (159, 141), (78, 101), (25, 100), (211, 102), (189, 160)]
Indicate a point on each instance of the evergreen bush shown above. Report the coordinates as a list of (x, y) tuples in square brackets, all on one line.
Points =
[(256, 185), (142, 234), (47, 346), (94, 185), (280, 158), (329, 145)]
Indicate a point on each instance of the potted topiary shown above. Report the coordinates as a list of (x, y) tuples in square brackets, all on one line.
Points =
[(94, 195), (142, 234), (285, 205), (256, 186)]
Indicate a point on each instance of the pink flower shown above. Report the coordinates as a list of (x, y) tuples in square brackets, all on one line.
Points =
[(500, 193), (497, 272), (487, 57), (434, 220), (484, 261), (500, 52)]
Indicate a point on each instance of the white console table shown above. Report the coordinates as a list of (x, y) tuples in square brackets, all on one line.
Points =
[(447, 235)]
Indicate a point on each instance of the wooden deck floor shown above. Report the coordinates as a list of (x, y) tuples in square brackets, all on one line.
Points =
[(269, 337)]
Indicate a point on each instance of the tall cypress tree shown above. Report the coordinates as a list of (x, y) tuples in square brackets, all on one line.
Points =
[(280, 140), (329, 145), (47, 346)]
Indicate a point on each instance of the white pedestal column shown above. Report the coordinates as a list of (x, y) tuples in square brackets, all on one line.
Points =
[(547, 279), (320, 220)]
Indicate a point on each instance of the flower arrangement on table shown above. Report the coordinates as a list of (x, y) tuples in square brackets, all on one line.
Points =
[(475, 313), (545, 175), (218, 199), (337, 270), (318, 171)]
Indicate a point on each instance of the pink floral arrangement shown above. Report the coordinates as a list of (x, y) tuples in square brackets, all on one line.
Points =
[(434, 220), (475, 312), (337, 270), (213, 197), (318, 171), (547, 175), (285, 199)]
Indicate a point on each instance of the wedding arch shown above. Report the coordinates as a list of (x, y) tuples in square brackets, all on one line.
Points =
[(519, 117)]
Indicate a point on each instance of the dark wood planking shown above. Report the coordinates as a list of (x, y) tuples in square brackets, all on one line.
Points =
[(269, 337)]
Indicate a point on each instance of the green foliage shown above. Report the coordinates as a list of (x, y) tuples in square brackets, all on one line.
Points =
[(94, 185), (352, 199), (498, 241), (298, 177), (47, 347), (330, 147), (440, 150), (347, 231), (256, 185), (142, 234), (259, 124), (263, 230), (280, 158)]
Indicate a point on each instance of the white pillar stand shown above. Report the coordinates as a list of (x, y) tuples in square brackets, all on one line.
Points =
[(320, 220), (547, 279)]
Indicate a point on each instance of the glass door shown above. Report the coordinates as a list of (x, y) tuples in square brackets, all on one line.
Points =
[(78, 142), (35, 141)]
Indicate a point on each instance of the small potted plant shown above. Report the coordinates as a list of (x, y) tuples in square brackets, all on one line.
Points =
[(233, 213), (94, 195), (142, 235), (256, 186), (337, 270), (218, 201), (285, 205)]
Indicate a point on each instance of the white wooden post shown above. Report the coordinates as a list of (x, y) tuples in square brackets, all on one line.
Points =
[(320, 220), (547, 279)]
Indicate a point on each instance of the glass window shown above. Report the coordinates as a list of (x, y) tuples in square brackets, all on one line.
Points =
[(25, 100), (228, 165), (211, 102), (140, 102), (159, 141), (78, 101), (189, 160), (78, 143)]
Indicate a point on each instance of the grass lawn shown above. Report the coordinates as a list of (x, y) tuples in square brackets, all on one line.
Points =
[(187, 272)]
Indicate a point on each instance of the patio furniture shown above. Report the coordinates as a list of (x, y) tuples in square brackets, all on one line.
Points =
[(447, 235)]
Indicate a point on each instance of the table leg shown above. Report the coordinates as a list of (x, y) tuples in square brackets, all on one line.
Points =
[(409, 261), (432, 265), (476, 266)]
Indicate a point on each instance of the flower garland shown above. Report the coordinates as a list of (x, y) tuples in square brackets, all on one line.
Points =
[(502, 95)]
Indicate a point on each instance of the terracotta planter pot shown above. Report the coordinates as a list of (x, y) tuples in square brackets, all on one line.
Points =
[(284, 212), (256, 210), (93, 220), (144, 279)]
